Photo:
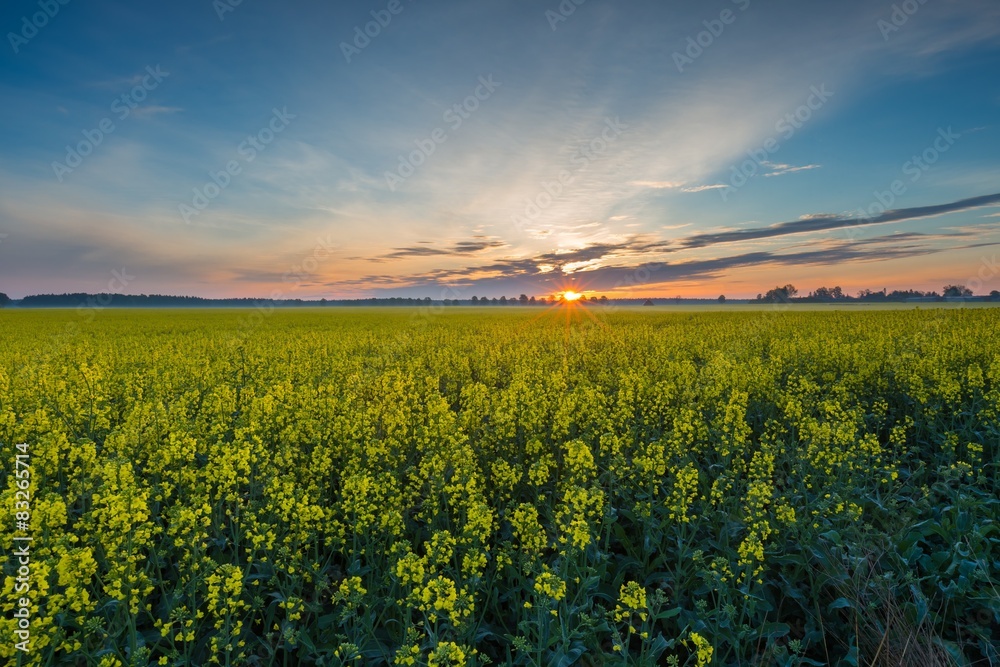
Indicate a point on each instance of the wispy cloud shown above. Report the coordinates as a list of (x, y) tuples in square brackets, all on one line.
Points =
[(816, 223), (703, 188), (658, 185), (154, 110), (459, 249), (600, 265), (778, 169), (539, 273)]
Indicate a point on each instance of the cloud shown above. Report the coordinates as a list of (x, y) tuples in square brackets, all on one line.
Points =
[(604, 265), (658, 185), (822, 223), (458, 249), (778, 169), (539, 275), (703, 188), (677, 185), (153, 110)]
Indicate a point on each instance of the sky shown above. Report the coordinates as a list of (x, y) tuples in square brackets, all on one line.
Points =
[(246, 148)]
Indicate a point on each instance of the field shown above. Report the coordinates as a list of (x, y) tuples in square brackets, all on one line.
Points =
[(515, 486)]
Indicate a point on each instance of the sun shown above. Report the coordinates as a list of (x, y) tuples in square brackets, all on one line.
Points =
[(570, 295)]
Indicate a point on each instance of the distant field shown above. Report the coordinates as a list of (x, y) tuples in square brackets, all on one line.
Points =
[(801, 485), (806, 307)]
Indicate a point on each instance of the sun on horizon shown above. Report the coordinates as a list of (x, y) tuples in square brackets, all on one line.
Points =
[(570, 295)]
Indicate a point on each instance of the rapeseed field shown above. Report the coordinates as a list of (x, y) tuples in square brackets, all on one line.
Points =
[(511, 486)]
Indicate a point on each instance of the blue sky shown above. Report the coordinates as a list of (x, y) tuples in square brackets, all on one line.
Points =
[(593, 149)]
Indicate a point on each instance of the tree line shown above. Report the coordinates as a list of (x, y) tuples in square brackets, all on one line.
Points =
[(784, 294), (789, 293)]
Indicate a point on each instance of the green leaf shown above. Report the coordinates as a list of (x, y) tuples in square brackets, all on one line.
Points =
[(659, 645), (668, 613), (953, 650), (567, 658), (774, 630), (921, 603), (832, 536), (840, 603)]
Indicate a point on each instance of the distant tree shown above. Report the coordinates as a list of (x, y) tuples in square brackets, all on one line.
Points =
[(523, 299), (828, 293), (956, 291), (781, 294), (503, 301), (995, 295), (903, 295), (649, 302), (604, 300), (722, 298), (760, 297), (531, 301), (475, 299), (495, 301), (4, 300)]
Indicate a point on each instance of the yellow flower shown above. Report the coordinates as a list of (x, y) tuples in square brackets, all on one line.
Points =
[(447, 654), (631, 600), (550, 585), (703, 649)]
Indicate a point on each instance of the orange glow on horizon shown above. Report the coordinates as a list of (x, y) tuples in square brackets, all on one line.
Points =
[(570, 295)]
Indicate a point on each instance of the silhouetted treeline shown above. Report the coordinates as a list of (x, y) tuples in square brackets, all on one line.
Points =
[(786, 294), (81, 299)]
